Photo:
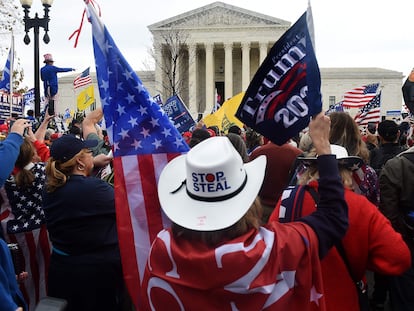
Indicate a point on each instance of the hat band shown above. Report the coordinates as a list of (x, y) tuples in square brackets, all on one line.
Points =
[(219, 198)]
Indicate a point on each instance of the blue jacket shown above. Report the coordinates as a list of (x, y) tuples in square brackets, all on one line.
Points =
[(10, 295), (48, 73), (9, 151)]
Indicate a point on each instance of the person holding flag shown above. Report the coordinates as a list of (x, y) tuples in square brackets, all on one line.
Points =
[(217, 256)]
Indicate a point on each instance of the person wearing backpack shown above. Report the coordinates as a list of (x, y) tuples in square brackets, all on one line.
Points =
[(397, 204)]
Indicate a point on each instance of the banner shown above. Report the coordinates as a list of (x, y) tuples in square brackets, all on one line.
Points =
[(285, 91), (86, 98), (178, 114), (224, 117)]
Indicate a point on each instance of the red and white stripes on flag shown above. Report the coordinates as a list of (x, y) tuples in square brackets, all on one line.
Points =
[(36, 249), (370, 113), (139, 217), (360, 96), (83, 79)]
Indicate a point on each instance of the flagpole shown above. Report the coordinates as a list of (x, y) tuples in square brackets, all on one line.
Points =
[(11, 73)]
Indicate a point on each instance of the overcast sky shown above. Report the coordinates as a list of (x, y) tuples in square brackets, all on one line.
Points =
[(349, 33)]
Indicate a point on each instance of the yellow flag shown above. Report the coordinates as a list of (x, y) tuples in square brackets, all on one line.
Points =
[(86, 98), (225, 116)]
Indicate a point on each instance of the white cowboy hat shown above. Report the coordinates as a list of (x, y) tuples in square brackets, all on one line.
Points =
[(209, 188), (350, 162)]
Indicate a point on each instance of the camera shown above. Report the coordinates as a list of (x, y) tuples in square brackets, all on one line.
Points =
[(26, 130), (51, 108), (17, 257)]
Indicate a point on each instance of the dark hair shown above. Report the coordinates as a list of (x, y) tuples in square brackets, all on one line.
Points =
[(253, 139), (234, 129), (388, 130), (197, 136), (215, 128)]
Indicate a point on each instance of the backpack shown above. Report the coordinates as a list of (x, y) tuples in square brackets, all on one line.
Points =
[(408, 211)]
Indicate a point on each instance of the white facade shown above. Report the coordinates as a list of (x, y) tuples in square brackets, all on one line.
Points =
[(223, 48)]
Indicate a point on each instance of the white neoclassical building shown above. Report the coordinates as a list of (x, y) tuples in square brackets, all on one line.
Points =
[(221, 47)]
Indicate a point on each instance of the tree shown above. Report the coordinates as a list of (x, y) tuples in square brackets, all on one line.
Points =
[(174, 59), (11, 21)]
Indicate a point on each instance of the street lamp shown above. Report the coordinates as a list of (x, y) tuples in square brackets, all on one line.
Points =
[(36, 23)]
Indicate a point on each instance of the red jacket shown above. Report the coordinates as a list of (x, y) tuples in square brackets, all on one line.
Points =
[(370, 244)]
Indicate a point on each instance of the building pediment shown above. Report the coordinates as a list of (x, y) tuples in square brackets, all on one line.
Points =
[(218, 14)]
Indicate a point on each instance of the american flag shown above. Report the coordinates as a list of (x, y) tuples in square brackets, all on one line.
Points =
[(335, 107), (83, 79), (35, 253), (144, 140), (371, 112), (360, 96)]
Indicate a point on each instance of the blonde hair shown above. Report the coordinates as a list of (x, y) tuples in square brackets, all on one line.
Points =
[(57, 172), (250, 220), (345, 132), (312, 173)]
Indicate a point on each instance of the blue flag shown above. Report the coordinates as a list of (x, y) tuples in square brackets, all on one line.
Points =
[(179, 114), (285, 91), (5, 78)]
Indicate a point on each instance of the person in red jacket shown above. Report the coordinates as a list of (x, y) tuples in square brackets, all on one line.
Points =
[(369, 244)]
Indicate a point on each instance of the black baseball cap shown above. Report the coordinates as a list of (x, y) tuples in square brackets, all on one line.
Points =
[(67, 146)]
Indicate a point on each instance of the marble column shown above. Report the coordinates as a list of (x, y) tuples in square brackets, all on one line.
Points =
[(158, 72), (192, 78), (228, 70), (245, 65), (209, 78), (263, 51)]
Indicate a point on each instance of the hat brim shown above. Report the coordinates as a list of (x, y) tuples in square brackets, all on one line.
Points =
[(90, 143), (351, 162), (206, 216)]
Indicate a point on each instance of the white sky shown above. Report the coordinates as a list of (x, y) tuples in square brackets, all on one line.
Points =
[(349, 33)]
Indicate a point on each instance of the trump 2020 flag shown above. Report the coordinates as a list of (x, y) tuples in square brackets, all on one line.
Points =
[(143, 140), (285, 91)]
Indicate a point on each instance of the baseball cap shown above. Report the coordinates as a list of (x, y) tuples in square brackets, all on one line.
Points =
[(67, 146)]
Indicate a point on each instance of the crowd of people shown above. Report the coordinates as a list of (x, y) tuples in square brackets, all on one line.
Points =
[(328, 214)]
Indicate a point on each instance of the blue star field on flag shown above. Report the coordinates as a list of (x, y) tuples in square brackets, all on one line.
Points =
[(136, 123)]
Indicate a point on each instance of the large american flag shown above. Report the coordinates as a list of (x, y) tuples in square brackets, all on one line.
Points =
[(83, 79), (35, 252), (144, 140), (360, 96), (371, 112)]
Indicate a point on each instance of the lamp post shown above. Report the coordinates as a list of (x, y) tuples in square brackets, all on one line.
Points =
[(36, 23)]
